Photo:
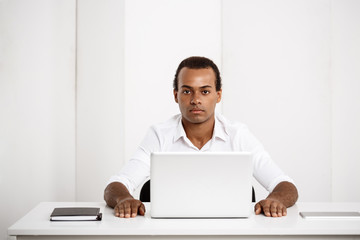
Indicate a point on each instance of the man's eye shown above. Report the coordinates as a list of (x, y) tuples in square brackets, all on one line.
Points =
[(205, 92), (186, 91)]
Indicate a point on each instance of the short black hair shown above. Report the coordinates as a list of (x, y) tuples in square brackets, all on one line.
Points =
[(198, 63)]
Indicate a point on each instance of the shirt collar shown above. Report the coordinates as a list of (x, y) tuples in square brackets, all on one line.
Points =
[(180, 132), (219, 130)]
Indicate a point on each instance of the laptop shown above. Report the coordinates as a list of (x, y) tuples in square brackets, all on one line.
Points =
[(201, 185)]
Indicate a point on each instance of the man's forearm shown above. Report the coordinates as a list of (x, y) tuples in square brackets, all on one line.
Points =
[(114, 192), (285, 192)]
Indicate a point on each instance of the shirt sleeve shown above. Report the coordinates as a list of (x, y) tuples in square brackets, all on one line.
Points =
[(265, 170), (137, 169)]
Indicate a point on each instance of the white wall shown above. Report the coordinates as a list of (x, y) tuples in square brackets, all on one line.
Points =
[(345, 76), (276, 65), (156, 41), (73, 113), (100, 95), (37, 105), (277, 61), (113, 110)]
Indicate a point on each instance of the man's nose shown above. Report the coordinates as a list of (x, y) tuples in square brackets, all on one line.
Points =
[(195, 100)]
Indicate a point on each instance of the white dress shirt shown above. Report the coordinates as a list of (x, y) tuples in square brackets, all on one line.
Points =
[(228, 136)]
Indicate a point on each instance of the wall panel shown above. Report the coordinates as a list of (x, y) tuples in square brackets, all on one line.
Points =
[(345, 63), (159, 35), (100, 95), (37, 105), (276, 64)]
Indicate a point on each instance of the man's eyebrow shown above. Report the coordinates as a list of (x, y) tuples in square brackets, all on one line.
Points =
[(187, 86)]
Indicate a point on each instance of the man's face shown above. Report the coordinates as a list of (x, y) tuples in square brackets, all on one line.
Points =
[(197, 95)]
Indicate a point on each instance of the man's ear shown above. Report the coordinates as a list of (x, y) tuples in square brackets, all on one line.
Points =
[(219, 93), (175, 96)]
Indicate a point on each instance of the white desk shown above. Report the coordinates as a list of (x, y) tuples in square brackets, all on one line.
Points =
[(36, 225)]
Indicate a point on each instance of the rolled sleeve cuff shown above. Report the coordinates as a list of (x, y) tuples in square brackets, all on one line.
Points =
[(125, 181), (279, 179)]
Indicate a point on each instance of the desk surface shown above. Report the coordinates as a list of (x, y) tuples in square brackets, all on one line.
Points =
[(36, 222)]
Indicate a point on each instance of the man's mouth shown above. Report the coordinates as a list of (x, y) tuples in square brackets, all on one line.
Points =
[(196, 110)]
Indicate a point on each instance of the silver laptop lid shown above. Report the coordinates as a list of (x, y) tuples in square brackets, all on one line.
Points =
[(201, 185)]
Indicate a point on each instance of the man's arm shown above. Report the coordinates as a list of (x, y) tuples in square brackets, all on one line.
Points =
[(283, 196), (118, 197)]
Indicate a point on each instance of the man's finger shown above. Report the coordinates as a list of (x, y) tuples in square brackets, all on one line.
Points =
[(266, 208), (134, 209), (127, 208), (280, 210), (259, 208), (121, 211), (274, 209), (117, 211), (142, 209)]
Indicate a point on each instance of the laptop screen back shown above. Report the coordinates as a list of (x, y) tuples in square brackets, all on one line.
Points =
[(201, 185)]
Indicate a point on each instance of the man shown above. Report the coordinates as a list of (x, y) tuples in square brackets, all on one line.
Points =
[(197, 90)]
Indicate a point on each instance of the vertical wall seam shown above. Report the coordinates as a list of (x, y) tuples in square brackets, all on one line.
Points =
[(124, 76), (222, 46), (76, 98), (331, 103)]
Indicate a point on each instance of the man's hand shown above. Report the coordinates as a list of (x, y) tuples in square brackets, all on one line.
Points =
[(283, 196), (118, 197), (129, 207), (271, 208)]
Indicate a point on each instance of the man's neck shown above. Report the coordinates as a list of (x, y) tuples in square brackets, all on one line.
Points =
[(199, 133)]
